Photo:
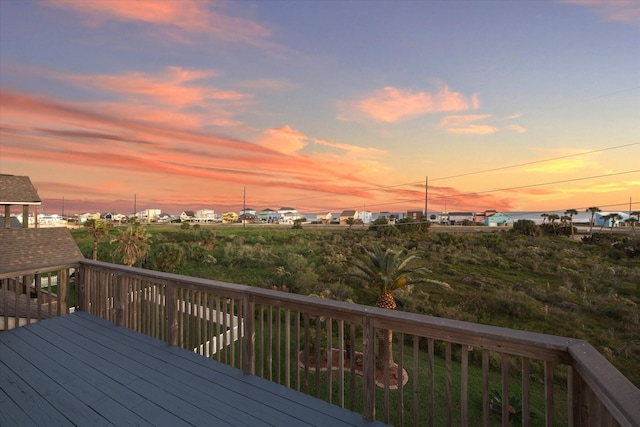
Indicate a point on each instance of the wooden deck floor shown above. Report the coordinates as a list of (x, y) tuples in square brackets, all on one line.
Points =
[(81, 370)]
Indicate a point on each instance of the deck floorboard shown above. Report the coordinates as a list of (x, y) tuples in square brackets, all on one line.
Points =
[(79, 369)]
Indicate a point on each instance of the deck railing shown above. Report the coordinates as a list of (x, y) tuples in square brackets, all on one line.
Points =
[(446, 372)]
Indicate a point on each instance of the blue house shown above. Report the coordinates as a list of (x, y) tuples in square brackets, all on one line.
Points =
[(605, 219), (498, 218)]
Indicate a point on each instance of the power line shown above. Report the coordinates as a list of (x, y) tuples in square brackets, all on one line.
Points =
[(508, 188), (464, 174)]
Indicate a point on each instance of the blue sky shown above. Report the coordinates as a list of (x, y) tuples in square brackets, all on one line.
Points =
[(324, 105)]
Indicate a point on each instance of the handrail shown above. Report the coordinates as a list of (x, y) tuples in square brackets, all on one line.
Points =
[(258, 330)]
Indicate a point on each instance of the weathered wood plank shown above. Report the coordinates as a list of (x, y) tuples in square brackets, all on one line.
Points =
[(164, 385), (58, 396)]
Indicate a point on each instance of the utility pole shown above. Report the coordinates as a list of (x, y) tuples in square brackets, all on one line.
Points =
[(244, 207), (134, 206), (426, 198)]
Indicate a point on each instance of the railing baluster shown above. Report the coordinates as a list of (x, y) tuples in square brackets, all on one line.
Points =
[(341, 363), (287, 350), (548, 393), (416, 373), (526, 378), (485, 388), (448, 384), (505, 389), (430, 394), (400, 373), (464, 383), (329, 343)]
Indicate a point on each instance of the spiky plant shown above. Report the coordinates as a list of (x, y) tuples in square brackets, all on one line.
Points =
[(389, 270)]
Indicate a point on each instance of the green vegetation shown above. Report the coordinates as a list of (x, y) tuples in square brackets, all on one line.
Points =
[(587, 289)]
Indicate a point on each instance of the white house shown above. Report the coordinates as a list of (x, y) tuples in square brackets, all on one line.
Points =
[(324, 217), (205, 215), (365, 216)]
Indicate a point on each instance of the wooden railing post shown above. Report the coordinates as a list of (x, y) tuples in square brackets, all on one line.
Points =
[(369, 367), (63, 292), (249, 341), (172, 313), (120, 298)]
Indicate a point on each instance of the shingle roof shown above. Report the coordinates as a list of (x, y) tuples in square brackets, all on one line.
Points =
[(17, 190), (28, 248)]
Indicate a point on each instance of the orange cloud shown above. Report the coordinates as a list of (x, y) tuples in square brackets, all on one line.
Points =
[(177, 18), (392, 104), (164, 159), (284, 140), (464, 125)]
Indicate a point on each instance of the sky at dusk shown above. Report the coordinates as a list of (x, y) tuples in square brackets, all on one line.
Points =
[(322, 105)]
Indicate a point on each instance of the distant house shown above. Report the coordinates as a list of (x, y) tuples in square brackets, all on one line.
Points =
[(268, 215), (498, 218), (18, 190), (206, 215), (324, 217), (365, 216), (345, 215), (605, 219), (247, 212), (458, 218), (415, 215), (187, 216), (287, 215), (164, 218), (482, 215)]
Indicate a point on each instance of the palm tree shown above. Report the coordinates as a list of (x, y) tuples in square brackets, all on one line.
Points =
[(552, 220), (571, 213), (389, 270), (97, 229), (132, 244), (593, 211), (614, 217), (634, 217), (544, 217)]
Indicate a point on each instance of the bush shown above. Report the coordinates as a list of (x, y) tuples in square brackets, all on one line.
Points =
[(526, 227), (167, 257)]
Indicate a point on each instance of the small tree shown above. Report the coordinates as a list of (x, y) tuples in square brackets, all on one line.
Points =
[(570, 213), (96, 229), (132, 244), (593, 211), (389, 270), (526, 227)]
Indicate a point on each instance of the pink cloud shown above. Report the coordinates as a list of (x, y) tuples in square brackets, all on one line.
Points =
[(163, 159), (284, 140), (622, 11), (174, 95), (391, 104), (465, 125), (187, 17)]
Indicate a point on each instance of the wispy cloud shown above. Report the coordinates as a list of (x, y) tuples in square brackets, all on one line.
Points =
[(517, 128), (392, 104), (466, 125), (180, 20), (287, 140), (174, 94), (103, 147), (623, 11)]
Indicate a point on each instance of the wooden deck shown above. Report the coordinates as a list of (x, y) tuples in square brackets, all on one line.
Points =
[(78, 369)]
